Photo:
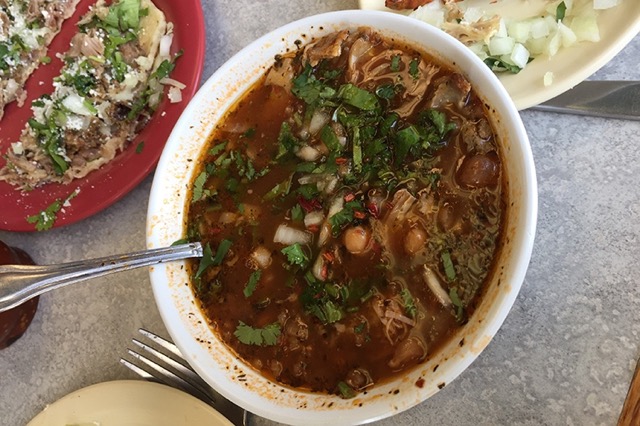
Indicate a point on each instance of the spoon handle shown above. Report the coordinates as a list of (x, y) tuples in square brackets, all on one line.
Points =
[(19, 283)]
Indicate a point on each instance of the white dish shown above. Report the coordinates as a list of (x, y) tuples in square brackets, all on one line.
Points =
[(187, 325), (129, 403), (618, 26)]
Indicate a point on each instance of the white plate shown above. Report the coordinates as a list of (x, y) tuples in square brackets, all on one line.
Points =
[(129, 403), (570, 66)]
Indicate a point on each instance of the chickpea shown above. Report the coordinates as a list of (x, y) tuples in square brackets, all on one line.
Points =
[(415, 240), (357, 239)]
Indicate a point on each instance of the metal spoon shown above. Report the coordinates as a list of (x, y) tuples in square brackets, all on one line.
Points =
[(19, 283)]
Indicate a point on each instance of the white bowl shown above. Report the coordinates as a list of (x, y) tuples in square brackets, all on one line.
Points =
[(166, 216)]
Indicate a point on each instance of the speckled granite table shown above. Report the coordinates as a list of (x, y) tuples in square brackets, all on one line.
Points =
[(565, 354)]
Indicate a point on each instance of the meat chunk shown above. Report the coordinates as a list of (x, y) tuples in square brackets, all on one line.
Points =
[(453, 89), (325, 48), (478, 171), (409, 351), (476, 135)]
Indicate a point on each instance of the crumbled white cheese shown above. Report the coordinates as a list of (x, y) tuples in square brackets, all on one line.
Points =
[(74, 122), (17, 148)]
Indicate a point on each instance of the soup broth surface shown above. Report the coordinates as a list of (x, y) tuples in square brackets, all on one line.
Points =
[(351, 206)]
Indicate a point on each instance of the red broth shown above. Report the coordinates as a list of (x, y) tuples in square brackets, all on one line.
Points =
[(351, 205)]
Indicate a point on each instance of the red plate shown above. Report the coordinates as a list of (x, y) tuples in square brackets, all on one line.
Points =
[(101, 188)]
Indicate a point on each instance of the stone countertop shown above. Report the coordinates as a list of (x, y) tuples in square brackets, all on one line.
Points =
[(565, 354)]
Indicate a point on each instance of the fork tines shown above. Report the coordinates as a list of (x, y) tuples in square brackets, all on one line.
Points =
[(160, 360)]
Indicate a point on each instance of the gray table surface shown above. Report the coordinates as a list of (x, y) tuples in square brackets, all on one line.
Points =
[(564, 356)]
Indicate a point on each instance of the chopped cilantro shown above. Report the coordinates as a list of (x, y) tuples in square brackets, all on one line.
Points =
[(457, 303), (286, 141), (251, 132), (395, 63), (198, 187), (409, 303), (344, 216), (180, 241), (498, 65), (295, 255), (265, 336), (414, 70), (124, 14), (561, 10), (47, 217), (209, 260), (217, 149), (297, 215), (308, 88), (346, 391), (279, 190), (139, 147), (252, 283), (449, 270), (357, 97)]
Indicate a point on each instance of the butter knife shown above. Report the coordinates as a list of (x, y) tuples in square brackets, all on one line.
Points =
[(611, 99)]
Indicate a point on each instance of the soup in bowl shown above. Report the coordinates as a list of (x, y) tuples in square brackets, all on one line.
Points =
[(365, 195)]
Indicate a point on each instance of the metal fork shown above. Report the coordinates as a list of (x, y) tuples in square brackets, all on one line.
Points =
[(159, 360)]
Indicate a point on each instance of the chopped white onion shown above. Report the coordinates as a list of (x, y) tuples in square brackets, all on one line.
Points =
[(175, 95), (313, 218), (325, 233), (318, 266), (318, 121), (433, 282), (287, 235), (227, 218), (75, 103), (262, 256), (171, 82), (165, 45), (336, 205), (308, 153)]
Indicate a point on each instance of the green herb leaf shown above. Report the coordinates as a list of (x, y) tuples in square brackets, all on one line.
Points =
[(47, 217), (252, 283), (279, 190), (139, 147), (405, 140), (209, 260), (297, 215), (455, 300), (346, 391), (561, 11), (395, 63), (198, 187), (330, 139), (414, 70), (308, 88), (409, 303), (286, 141), (180, 241), (498, 65), (206, 261), (357, 97), (217, 149), (295, 255), (266, 336), (223, 248), (449, 269)]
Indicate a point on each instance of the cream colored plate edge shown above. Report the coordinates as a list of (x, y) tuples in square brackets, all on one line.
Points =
[(129, 403), (618, 26)]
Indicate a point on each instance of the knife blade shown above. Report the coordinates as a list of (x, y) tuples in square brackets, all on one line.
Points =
[(610, 99)]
